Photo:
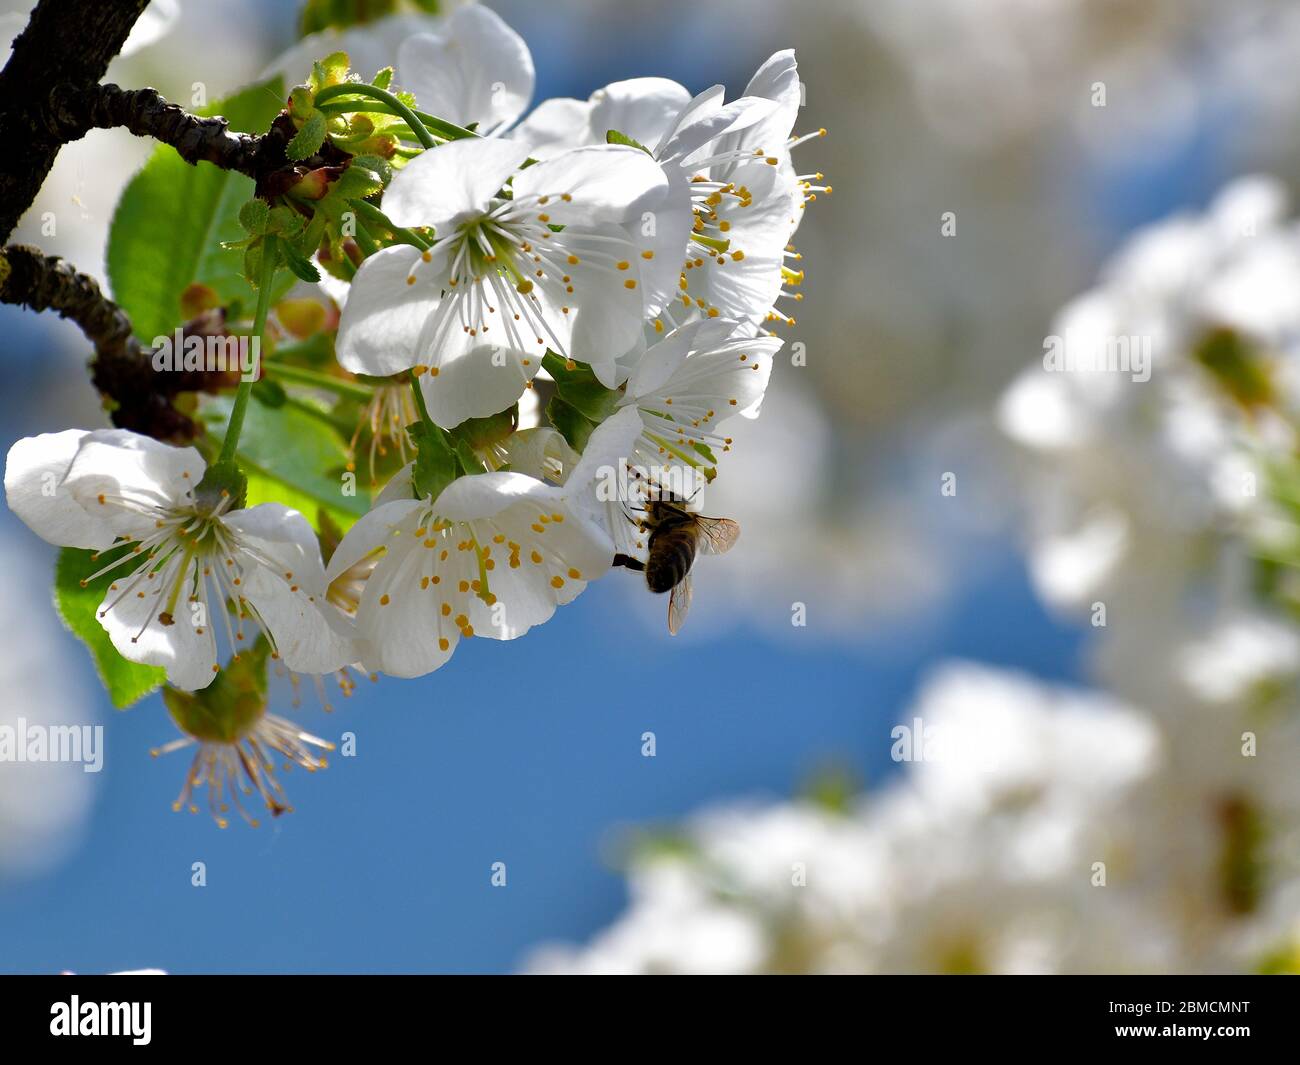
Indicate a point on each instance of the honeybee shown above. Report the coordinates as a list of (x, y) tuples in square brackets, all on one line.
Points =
[(676, 537)]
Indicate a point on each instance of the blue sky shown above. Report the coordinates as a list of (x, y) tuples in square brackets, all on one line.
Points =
[(385, 864)]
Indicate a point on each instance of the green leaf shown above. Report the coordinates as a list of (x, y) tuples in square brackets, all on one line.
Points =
[(331, 70), (580, 389), (613, 136), (435, 462), (302, 268), (126, 682), (571, 423), (469, 461), (254, 215), (308, 140), (289, 457), (269, 393), (172, 217)]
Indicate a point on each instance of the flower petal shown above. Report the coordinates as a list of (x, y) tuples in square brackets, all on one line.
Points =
[(445, 185), (477, 382), (185, 649), (400, 620), (663, 359), (121, 478), (641, 108), (477, 70), (34, 471), (555, 126), (372, 531), (602, 183), (286, 585), (381, 322)]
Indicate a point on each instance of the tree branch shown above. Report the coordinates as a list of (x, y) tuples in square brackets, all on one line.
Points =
[(67, 42), (140, 397), (144, 112)]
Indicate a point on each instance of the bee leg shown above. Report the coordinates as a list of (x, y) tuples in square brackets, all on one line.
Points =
[(631, 563)]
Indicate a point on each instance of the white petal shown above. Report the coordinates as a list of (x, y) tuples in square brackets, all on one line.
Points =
[(188, 652), (445, 185), (285, 581), (662, 359), (484, 495), (702, 135), (776, 80), (477, 70), (537, 451), (370, 46), (641, 108), (112, 464), (401, 621), (606, 319), (604, 183), (399, 487), (669, 243), (34, 470), (370, 532), (381, 322), (555, 126), (476, 382), (612, 443)]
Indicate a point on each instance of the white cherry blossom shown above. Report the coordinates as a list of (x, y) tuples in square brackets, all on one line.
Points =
[(190, 552), (550, 265)]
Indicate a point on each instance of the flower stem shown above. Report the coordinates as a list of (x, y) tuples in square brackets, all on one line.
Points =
[(383, 96), (364, 240), (270, 260), (419, 405), (377, 218), (303, 376), (444, 129)]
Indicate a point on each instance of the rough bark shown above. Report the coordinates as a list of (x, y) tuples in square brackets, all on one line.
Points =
[(139, 398), (66, 47)]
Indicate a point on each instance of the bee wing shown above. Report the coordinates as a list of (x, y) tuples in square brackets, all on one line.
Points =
[(679, 604), (717, 535)]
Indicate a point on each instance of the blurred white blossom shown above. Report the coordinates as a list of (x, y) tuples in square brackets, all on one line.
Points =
[(980, 860)]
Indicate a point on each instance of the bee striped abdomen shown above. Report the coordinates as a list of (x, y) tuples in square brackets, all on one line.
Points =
[(669, 559)]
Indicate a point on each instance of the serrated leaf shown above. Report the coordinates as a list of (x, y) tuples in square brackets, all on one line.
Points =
[(331, 70), (301, 267), (253, 216), (126, 682), (171, 219), (308, 140)]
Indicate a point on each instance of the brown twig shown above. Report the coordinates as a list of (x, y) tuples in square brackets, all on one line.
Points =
[(144, 112), (66, 42), (140, 398)]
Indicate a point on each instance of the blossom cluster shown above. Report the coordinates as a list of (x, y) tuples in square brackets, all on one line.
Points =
[(631, 251)]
